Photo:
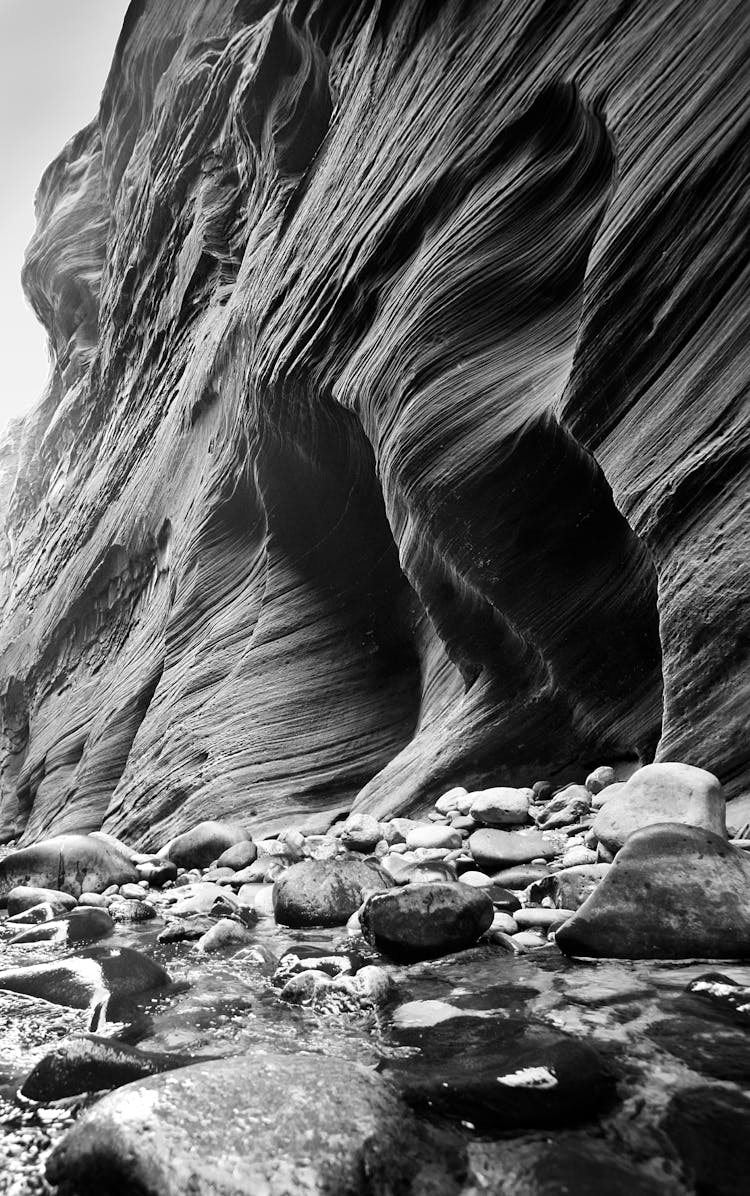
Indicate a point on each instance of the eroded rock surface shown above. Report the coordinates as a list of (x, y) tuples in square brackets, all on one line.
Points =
[(396, 421)]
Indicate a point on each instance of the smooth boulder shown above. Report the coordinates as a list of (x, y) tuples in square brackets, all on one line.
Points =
[(26, 897), (673, 892), (427, 920), (199, 847), (325, 892), (270, 1124), (83, 925), (660, 793), (86, 1063), (501, 806), (73, 864)]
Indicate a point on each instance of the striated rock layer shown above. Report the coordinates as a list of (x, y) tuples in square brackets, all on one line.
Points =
[(397, 432)]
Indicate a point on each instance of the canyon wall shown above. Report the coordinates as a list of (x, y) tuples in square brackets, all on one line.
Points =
[(397, 430)]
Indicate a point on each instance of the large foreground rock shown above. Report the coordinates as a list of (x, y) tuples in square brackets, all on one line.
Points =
[(263, 1125), (662, 793), (424, 921), (74, 864), (325, 892), (673, 892)]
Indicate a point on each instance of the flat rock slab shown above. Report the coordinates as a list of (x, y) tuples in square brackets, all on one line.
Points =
[(493, 849), (270, 1125), (673, 892), (662, 793)]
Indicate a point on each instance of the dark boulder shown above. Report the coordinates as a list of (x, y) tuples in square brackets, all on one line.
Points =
[(673, 892), (710, 1130), (85, 1063), (494, 849), (83, 925), (427, 920), (325, 892), (25, 897), (88, 979)]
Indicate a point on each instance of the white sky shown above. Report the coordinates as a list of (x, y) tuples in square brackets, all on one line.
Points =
[(54, 60)]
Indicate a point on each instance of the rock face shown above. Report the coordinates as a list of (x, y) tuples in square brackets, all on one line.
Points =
[(673, 892), (396, 424), (274, 1124)]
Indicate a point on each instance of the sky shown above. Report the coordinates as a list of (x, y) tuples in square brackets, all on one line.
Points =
[(54, 60)]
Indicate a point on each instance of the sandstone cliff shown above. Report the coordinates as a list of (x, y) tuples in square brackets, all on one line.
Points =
[(397, 433)]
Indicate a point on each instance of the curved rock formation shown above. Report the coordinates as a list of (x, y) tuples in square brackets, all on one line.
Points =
[(396, 433)]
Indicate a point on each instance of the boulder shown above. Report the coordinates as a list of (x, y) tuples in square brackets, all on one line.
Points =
[(157, 873), (426, 872), (197, 898), (85, 1063), (493, 849), (73, 864), (91, 977), (361, 832), (738, 816), (226, 934), (521, 876), (199, 847), (501, 806), (238, 856), (125, 909), (427, 920), (81, 925), (44, 912), (662, 793), (673, 892), (600, 778), (25, 897), (270, 1124), (325, 892), (449, 801)]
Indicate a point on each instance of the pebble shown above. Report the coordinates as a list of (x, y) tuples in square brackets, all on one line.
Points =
[(479, 880), (600, 778), (538, 916), (97, 900), (528, 939)]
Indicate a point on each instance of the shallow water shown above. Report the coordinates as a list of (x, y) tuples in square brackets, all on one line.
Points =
[(220, 1005)]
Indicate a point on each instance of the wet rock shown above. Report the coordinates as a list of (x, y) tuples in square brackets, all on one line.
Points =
[(583, 1168), (427, 920), (200, 846), (521, 876), (38, 913), (238, 856), (73, 864), (504, 923), (95, 975), (542, 790), (532, 940), (566, 807), (577, 856), (661, 793), (720, 996), (325, 892), (128, 910), (710, 1130), (569, 887), (225, 935), (293, 963), (371, 985), (433, 837), (600, 778), (319, 1125), (81, 925), (305, 988), (501, 1073), (500, 806), (25, 897), (85, 1063), (132, 892), (673, 892), (495, 849), (503, 899), (715, 1050), (188, 929), (157, 873)]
